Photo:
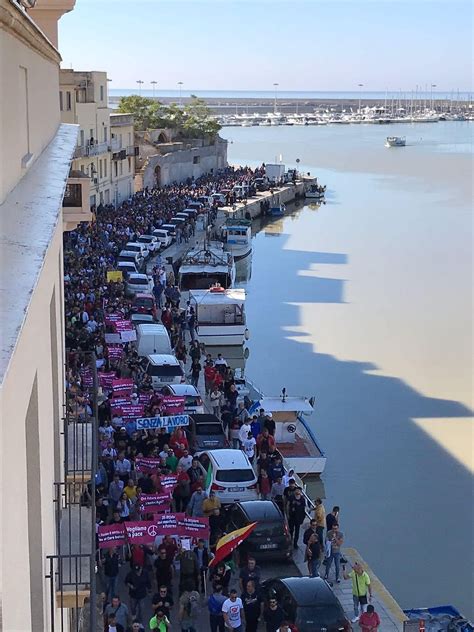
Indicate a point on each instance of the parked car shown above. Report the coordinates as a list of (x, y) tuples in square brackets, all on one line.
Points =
[(144, 304), (138, 284), (131, 257), (151, 242), (163, 237), (170, 229), (142, 319), (192, 397), (164, 369), (126, 268), (136, 246), (309, 603), (206, 432), (271, 537), (218, 198), (232, 475), (153, 339)]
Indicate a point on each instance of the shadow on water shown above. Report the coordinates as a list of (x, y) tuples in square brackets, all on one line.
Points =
[(406, 502)]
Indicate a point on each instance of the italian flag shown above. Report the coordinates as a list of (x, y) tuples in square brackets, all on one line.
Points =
[(208, 481), (231, 541)]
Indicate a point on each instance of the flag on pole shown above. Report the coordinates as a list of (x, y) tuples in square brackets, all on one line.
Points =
[(208, 480), (230, 542)]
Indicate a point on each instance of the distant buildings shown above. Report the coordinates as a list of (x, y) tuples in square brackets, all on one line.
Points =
[(105, 149)]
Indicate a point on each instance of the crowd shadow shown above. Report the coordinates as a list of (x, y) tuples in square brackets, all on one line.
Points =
[(402, 494)]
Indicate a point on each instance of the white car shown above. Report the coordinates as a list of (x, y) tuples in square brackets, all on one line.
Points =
[(151, 242), (138, 284), (192, 397), (136, 246), (164, 370), (232, 476), (163, 237)]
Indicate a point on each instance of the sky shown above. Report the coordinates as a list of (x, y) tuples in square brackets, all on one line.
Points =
[(251, 44)]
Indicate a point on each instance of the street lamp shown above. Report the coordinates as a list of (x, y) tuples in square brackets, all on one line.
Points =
[(360, 85), (180, 83), (153, 83), (275, 85), (140, 82), (433, 85)]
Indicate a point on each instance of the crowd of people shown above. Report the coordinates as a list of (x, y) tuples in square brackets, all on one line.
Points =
[(141, 583)]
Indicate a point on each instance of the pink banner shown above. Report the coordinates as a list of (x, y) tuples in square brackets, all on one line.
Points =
[(123, 325), (168, 482), (144, 398), (110, 319), (105, 379), (172, 405), (146, 465), (142, 532), (114, 352), (194, 527), (154, 503), (111, 535), (128, 411), (167, 523), (122, 386)]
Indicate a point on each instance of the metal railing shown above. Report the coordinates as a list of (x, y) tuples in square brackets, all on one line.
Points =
[(84, 151)]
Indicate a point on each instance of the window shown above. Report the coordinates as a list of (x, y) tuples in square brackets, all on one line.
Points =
[(61, 100), (121, 168), (68, 100), (116, 168), (100, 169), (129, 165), (235, 476), (196, 160), (105, 133), (105, 168), (101, 93), (129, 138), (82, 138)]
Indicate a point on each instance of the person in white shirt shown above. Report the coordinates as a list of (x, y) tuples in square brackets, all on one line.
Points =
[(232, 611), (249, 446), (244, 432), (287, 477), (123, 467), (185, 461)]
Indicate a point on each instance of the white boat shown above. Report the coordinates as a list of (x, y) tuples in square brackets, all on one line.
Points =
[(294, 438), (395, 141), (315, 192), (200, 269), (237, 235), (221, 315)]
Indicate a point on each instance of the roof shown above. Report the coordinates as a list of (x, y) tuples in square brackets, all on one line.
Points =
[(136, 276), (291, 404), (206, 297), (152, 329), (161, 358), (229, 458), (204, 269), (143, 295), (261, 510), (184, 389), (309, 590)]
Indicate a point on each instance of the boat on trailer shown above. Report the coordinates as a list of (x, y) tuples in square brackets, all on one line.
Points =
[(221, 315)]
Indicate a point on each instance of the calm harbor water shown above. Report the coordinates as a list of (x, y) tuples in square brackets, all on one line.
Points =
[(366, 302)]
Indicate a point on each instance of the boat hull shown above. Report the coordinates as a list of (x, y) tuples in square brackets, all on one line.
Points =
[(240, 252), (305, 466)]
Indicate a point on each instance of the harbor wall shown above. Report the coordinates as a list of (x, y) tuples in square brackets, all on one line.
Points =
[(281, 195)]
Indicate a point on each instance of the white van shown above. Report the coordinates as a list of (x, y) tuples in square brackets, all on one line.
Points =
[(152, 339), (163, 237), (164, 369), (233, 478)]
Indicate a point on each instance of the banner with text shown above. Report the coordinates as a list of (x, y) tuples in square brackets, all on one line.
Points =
[(148, 423)]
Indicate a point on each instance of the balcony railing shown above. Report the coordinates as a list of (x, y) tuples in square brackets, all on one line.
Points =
[(115, 144), (83, 151)]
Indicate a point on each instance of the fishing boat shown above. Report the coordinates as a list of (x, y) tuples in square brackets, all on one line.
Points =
[(439, 618), (237, 236), (395, 141), (294, 438), (221, 315), (201, 269), (315, 191), (276, 211)]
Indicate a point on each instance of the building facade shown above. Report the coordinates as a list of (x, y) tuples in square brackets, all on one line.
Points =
[(36, 153), (105, 147)]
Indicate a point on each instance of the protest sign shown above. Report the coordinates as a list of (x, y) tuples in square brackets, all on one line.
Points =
[(172, 405), (111, 535), (168, 482), (154, 503), (146, 465), (167, 523), (141, 532), (123, 325), (146, 423), (128, 411), (128, 335), (122, 386), (114, 275), (111, 339), (194, 527), (114, 353), (105, 379)]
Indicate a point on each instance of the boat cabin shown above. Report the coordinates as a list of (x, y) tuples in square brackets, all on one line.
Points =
[(221, 315), (203, 268)]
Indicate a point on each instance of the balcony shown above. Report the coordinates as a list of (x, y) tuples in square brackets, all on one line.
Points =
[(115, 144), (76, 207), (133, 150), (84, 151)]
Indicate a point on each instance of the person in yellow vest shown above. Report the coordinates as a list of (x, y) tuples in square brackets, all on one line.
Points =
[(210, 503), (320, 517), (361, 588)]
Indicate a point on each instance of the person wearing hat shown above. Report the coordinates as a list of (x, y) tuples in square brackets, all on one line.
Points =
[(269, 424)]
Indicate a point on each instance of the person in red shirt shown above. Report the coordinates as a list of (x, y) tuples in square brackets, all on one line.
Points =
[(369, 620), (209, 376), (265, 441), (218, 381)]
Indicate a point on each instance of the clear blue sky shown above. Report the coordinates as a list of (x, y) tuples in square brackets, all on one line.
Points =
[(250, 44)]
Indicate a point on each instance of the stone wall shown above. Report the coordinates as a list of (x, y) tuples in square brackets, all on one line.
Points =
[(179, 165)]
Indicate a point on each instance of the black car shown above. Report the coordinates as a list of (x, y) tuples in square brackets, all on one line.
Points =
[(206, 432), (308, 602), (270, 539)]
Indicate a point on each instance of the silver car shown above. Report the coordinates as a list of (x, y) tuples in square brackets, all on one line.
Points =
[(138, 284)]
